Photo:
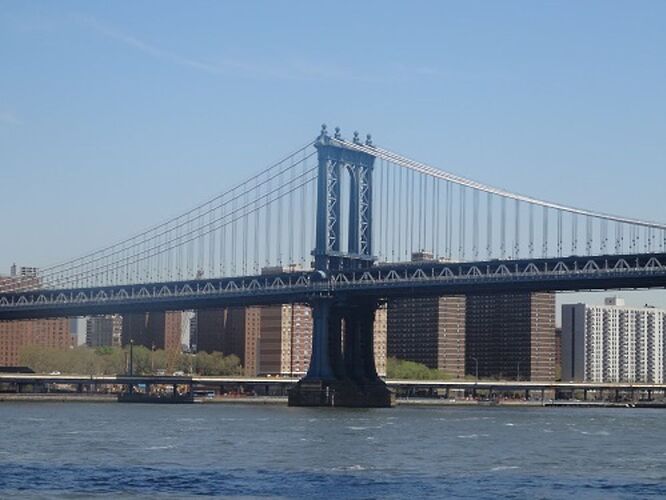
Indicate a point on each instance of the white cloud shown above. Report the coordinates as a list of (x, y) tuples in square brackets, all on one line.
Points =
[(294, 70)]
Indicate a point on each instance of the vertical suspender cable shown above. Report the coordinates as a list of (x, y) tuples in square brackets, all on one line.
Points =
[(311, 212), (420, 201), (245, 230), (433, 215), (179, 254), (438, 218), (461, 229), (223, 243), (190, 250), (170, 251), (401, 189), (234, 238), (388, 222), (502, 227), (255, 242), (158, 258), (489, 226), (447, 224), (378, 200), (267, 217), (412, 210), (545, 232), (290, 218), (279, 234), (395, 218), (574, 234), (530, 244), (516, 236), (201, 243), (306, 207), (559, 233), (475, 224), (212, 239)]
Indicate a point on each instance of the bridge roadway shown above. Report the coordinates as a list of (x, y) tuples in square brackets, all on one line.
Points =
[(287, 382), (381, 281)]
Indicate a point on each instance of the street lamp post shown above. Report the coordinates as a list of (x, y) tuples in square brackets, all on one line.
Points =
[(131, 358), (130, 386), (518, 372)]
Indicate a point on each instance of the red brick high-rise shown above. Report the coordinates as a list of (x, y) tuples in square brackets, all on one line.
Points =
[(15, 335)]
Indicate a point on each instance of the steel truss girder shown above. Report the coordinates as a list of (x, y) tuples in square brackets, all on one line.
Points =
[(425, 278)]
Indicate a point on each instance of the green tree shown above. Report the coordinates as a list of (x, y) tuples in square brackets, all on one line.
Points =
[(114, 360), (216, 363), (410, 370)]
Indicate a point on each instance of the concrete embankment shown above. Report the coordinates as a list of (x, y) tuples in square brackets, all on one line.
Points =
[(282, 400), (59, 398)]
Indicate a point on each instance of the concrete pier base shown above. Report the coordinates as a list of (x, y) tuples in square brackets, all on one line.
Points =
[(341, 393)]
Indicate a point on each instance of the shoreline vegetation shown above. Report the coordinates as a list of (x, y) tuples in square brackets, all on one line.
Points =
[(84, 360)]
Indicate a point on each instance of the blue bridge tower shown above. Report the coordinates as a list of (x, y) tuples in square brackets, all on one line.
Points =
[(342, 368)]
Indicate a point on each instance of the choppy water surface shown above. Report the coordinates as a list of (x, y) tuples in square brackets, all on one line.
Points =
[(113, 450)]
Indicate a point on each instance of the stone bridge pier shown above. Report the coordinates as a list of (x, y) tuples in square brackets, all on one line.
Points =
[(342, 368)]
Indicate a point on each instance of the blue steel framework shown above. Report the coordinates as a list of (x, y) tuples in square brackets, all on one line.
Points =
[(192, 261), (342, 368), (603, 272)]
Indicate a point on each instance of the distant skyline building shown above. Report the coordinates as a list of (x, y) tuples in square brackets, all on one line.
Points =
[(380, 339), (25, 276), (429, 330), (511, 336), (104, 331), (77, 329), (187, 319), (285, 339), (230, 331), (159, 330), (613, 342), (16, 335)]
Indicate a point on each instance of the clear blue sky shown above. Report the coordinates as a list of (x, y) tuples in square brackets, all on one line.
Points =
[(114, 115)]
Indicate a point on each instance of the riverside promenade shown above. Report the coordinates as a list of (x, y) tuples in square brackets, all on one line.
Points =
[(274, 389)]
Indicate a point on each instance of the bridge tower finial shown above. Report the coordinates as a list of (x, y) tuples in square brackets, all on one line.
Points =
[(337, 135)]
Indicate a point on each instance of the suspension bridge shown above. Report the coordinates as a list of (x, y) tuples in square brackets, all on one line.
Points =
[(337, 224)]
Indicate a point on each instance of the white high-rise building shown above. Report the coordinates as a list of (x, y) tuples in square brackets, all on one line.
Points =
[(613, 342), (187, 319)]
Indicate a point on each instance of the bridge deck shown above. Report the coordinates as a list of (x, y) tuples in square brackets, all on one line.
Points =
[(572, 273)]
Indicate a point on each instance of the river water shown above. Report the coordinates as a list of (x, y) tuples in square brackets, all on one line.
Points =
[(81, 450)]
